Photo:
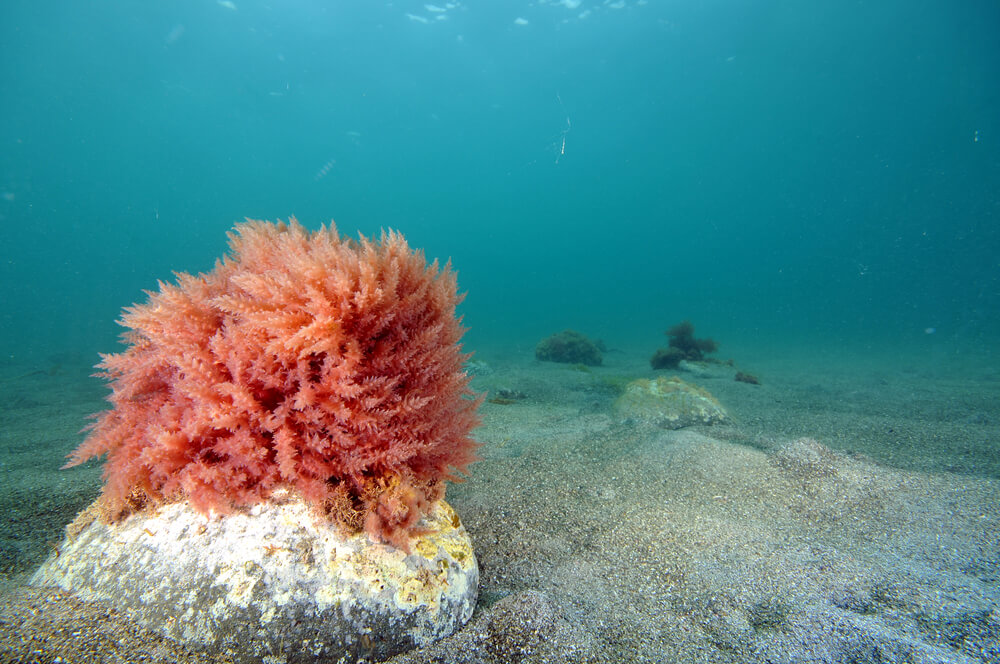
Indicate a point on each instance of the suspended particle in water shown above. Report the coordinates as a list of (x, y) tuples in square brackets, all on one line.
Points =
[(321, 173)]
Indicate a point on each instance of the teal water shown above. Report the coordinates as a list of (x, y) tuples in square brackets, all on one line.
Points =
[(814, 183), (812, 175)]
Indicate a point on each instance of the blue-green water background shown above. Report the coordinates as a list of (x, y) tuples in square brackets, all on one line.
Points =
[(820, 174)]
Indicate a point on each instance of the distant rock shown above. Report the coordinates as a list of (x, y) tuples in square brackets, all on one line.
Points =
[(706, 369), (670, 403), (275, 582), (569, 347), (478, 368)]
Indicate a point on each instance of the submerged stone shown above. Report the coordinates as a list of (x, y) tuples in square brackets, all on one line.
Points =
[(670, 403), (277, 582)]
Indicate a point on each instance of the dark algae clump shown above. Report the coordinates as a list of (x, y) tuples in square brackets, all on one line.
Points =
[(682, 346), (570, 347)]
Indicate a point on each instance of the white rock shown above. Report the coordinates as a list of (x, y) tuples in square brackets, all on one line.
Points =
[(669, 403), (275, 582)]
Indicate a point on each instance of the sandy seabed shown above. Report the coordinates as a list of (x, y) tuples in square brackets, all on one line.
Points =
[(849, 512)]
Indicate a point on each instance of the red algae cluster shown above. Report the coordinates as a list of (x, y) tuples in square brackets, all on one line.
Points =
[(306, 361)]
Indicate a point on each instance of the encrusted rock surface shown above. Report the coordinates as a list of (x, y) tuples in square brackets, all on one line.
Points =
[(275, 583), (670, 403)]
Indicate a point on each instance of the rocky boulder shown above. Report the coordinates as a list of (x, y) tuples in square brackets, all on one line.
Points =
[(275, 582), (670, 403)]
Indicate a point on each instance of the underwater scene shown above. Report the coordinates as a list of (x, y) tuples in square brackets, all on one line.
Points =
[(500, 331)]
